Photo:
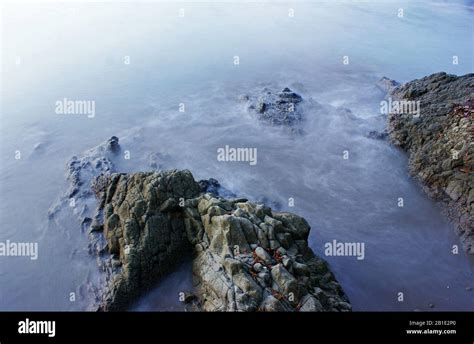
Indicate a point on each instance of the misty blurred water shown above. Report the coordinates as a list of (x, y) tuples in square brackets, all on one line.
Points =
[(56, 51)]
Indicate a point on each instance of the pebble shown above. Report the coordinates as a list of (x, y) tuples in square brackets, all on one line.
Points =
[(258, 267), (263, 255)]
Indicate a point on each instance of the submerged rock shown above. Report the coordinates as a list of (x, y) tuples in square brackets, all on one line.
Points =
[(98, 160), (246, 256), (277, 108), (377, 135), (440, 142), (87, 174), (81, 173)]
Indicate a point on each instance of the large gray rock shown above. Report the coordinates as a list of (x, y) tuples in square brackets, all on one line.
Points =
[(246, 257), (239, 265), (440, 143), (143, 225)]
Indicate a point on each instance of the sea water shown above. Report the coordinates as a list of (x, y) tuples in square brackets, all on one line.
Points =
[(142, 64)]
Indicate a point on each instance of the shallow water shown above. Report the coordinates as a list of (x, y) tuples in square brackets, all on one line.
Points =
[(78, 53)]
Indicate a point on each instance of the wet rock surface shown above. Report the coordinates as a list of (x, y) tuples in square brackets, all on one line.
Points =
[(250, 258), (377, 135), (213, 187), (387, 85), (86, 173), (81, 173), (143, 226), (246, 257), (282, 108), (440, 143)]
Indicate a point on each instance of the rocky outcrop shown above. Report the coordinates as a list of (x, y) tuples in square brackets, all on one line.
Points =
[(282, 108), (377, 135), (143, 225), (246, 256), (387, 85), (213, 187), (81, 171), (250, 258), (440, 142)]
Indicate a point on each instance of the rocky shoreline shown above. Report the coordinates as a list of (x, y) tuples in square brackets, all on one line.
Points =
[(440, 143), (245, 256)]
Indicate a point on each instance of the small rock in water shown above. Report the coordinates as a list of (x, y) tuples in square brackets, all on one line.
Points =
[(113, 144), (377, 135), (86, 222), (188, 297), (280, 108), (153, 161)]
